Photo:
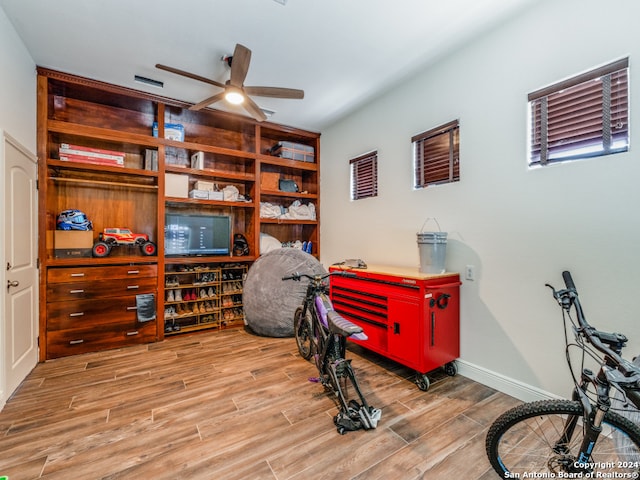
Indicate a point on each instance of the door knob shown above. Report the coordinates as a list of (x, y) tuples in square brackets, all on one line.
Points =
[(12, 284)]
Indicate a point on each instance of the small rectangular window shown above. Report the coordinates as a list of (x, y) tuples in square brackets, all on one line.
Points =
[(584, 116), (436, 155), (364, 176)]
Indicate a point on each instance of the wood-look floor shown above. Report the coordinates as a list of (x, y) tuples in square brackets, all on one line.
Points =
[(232, 405)]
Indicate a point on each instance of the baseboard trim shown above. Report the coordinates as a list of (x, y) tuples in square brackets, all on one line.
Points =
[(502, 383)]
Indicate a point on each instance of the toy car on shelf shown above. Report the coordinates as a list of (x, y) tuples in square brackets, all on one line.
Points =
[(112, 237)]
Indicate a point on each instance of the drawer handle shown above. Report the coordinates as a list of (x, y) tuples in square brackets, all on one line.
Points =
[(433, 329), (77, 314), (77, 274), (133, 272), (76, 291), (132, 287), (131, 334), (76, 342), (132, 308)]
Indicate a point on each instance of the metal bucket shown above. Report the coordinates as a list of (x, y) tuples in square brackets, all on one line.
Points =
[(432, 247)]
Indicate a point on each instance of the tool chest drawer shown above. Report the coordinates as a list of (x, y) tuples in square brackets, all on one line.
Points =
[(408, 316)]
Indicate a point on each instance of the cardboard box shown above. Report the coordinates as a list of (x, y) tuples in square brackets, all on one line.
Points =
[(294, 151), (172, 131), (199, 194), (176, 185), (200, 185), (72, 243), (269, 181)]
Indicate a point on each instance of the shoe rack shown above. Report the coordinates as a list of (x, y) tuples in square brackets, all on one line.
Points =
[(203, 296), (231, 311)]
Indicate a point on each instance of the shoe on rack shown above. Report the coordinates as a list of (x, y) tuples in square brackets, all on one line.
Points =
[(211, 293), (178, 295), (170, 297)]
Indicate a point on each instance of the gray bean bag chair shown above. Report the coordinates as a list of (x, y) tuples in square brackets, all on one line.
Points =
[(269, 302)]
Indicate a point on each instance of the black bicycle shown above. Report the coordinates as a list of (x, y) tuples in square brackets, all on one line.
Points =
[(583, 437), (321, 333)]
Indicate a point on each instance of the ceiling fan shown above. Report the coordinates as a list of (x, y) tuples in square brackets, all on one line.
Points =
[(234, 90)]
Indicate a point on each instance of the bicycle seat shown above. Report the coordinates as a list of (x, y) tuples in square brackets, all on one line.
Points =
[(340, 325)]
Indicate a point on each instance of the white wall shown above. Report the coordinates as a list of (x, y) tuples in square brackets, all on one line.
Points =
[(18, 119), (519, 227), (17, 86)]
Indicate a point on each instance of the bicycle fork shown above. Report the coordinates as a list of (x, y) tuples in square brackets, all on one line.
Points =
[(592, 423)]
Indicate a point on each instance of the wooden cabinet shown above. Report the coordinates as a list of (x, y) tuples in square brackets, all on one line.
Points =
[(93, 308), (233, 151), (410, 317)]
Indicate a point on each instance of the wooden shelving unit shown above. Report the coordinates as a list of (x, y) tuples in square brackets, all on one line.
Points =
[(93, 114)]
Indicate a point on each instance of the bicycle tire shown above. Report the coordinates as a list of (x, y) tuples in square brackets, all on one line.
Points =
[(303, 332), (520, 443)]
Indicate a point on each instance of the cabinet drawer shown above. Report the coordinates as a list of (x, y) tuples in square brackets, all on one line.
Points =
[(85, 313), (58, 292), (82, 340), (107, 273)]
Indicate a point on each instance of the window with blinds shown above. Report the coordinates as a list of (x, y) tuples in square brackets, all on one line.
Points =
[(364, 176), (584, 116), (436, 155)]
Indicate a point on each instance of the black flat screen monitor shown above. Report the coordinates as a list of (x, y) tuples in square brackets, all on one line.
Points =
[(187, 234)]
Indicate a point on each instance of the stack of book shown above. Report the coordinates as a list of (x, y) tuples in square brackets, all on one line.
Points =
[(97, 156)]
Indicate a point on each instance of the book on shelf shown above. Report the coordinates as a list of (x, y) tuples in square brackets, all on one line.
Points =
[(91, 160), (99, 156)]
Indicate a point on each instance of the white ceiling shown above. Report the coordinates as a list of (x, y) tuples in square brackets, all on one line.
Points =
[(341, 53)]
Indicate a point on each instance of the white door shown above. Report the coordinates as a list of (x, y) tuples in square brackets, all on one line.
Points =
[(19, 329)]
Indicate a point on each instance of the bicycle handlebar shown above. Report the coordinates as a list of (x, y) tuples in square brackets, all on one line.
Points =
[(568, 281), (602, 341), (297, 276)]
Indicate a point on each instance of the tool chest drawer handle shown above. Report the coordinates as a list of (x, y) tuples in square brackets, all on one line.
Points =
[(132, 308), (76, 342), (76, 314), (133, 272), (77, 274), (132, 287), (131, 334), (76, 291)]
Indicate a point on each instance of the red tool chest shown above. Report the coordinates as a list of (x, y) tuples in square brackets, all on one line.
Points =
[(410, 317)]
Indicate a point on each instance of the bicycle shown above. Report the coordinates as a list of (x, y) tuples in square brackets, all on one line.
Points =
[(583, 437), (321, 333)]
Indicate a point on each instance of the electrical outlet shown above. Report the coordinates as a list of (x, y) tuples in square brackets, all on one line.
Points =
[(470, 272)]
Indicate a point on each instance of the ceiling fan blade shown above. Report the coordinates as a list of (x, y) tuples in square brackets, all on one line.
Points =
[(189, 75), (253, 109), (239, 65), (275, 92), (207, 101)]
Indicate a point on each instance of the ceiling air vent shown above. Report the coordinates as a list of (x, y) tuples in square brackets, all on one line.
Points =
[(149, 81)]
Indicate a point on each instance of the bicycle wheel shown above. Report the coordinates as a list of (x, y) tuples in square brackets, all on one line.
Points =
[(523, 443), (304, 332)]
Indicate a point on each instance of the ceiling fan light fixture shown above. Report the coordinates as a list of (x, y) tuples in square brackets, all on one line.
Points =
[(234, 96)]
